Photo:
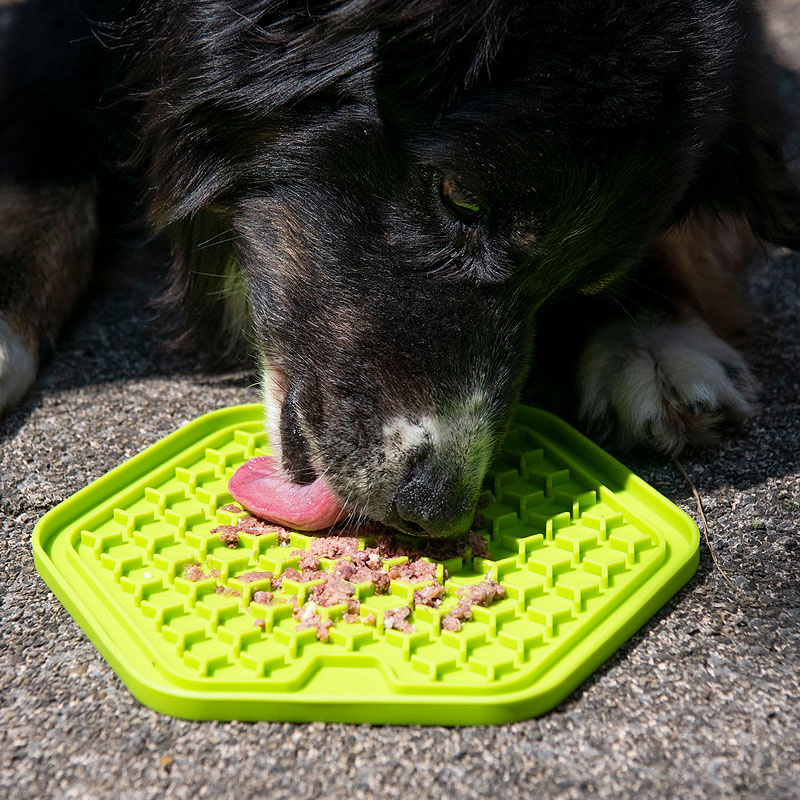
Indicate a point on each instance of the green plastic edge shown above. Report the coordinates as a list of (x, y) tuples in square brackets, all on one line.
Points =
[(149, 687)]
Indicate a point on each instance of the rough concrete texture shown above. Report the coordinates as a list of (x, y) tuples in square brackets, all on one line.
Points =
[(703, 702)]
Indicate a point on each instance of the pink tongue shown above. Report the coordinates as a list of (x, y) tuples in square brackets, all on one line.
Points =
[(259, 487)]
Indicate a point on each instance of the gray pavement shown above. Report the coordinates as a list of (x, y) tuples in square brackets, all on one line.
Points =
[(703, 702)]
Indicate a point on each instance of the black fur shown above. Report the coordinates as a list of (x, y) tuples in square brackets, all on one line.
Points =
[(306, 143)]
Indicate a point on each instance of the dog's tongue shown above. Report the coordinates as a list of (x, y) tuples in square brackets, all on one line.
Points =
[(260, 488)]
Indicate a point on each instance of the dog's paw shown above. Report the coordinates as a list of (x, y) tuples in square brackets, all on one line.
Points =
[(661, 383), (17, 365)]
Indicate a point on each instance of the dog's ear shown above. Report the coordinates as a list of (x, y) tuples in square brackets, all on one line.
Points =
[(217, 86)]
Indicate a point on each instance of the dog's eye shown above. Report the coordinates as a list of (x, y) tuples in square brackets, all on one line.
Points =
[(458, 202)]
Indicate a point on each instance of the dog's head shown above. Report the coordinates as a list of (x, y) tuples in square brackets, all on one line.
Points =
[(404, 186), (391, 356)]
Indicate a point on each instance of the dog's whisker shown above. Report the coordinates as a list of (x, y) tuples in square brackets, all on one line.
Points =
[(211, 243), (618, 302), (343, 510), (652, 292), (212, 239)]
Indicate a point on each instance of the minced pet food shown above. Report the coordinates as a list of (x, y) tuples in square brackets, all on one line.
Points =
[(477, 594), (335, 584), (397, 618)]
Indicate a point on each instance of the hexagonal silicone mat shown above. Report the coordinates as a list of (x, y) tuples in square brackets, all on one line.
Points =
[(585, 550)]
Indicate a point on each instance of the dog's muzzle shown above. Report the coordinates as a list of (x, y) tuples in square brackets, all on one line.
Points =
[(428, 504)]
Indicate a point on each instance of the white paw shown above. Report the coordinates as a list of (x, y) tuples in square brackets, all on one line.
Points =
[(661, 383), (17, 366)]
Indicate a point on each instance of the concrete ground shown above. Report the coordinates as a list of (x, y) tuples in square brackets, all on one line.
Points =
[(702, 702)]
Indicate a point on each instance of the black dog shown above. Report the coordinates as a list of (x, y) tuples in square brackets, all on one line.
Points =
[(392, 198)]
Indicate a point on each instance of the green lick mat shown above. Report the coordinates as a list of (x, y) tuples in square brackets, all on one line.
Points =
[(585, 550)]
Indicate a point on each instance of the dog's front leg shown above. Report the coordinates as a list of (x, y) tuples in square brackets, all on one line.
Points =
[(666, 373), (47, 240), (49, 155)]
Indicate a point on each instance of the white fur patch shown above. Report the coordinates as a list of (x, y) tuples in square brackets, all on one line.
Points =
[(661, 382), (273, 393), (401, 435), (459, 435), (17, 366)]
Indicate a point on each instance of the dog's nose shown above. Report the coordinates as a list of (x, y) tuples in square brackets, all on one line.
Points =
[(429, 506)]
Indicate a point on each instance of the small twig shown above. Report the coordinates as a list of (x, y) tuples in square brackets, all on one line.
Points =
[(702, 513)]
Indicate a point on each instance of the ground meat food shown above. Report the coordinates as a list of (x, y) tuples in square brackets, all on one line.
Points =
[(476, 594), (333, 546), (229, 538), (227, 591), (397, 618), (439, 549), (290, 573), (445, 549), (334, 591), (344, 569), (379, 578), (483, 593), (353, 566), (294, 575), (413, 571), (308, 561), (367, 529), (308, 575), (368, 557), (249, 577), (457, 615), (232, 507), (477, 522), (430, 595), (193, 572), (225, 529), (307, 616), (255, 527), (388, 547), (477, 545), (356, 572), (323, 629), (259, 623)]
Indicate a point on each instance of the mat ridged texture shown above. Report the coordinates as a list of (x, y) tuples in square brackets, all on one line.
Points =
[(582, 564)]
